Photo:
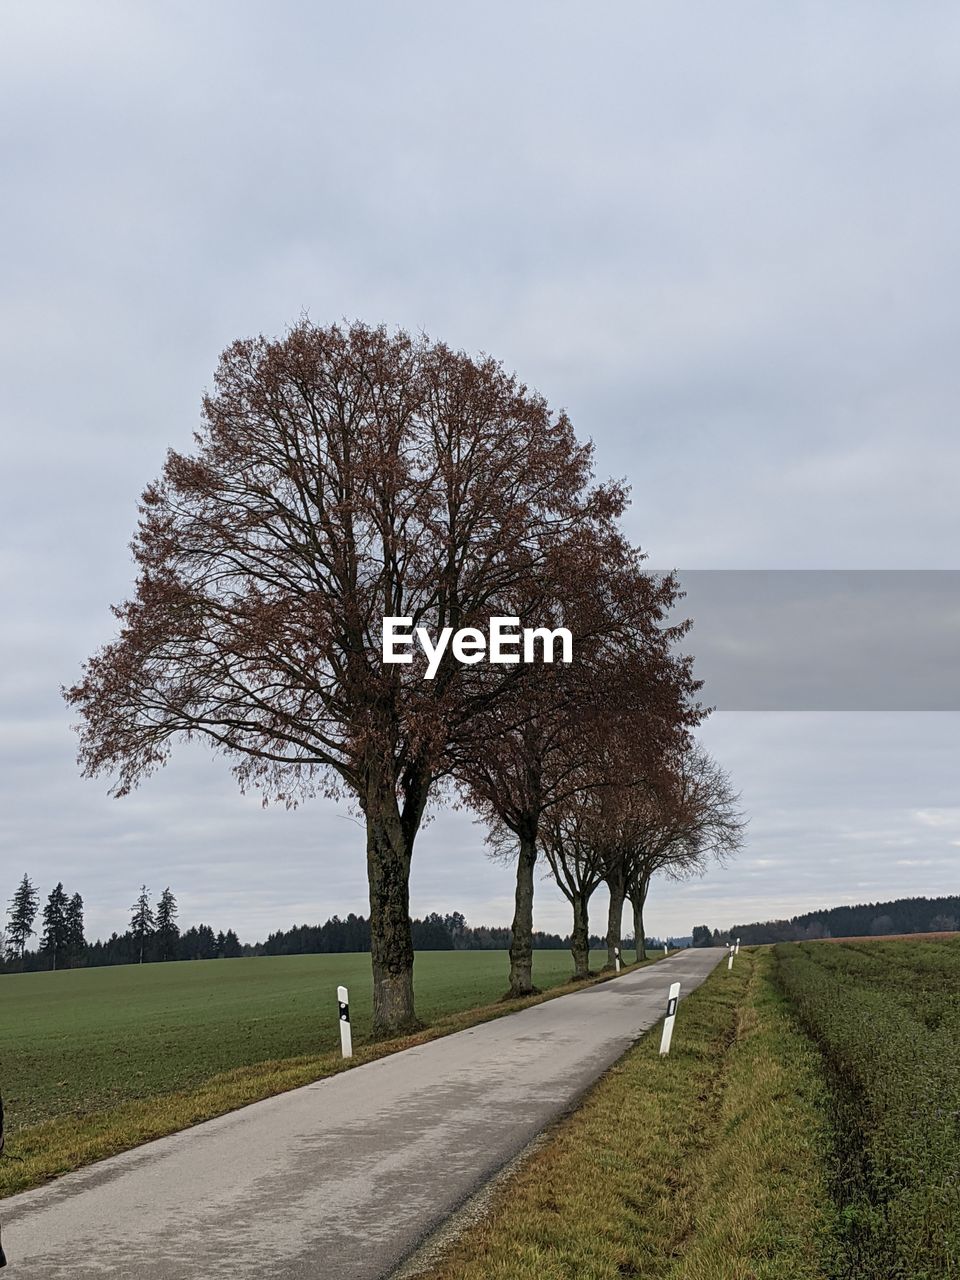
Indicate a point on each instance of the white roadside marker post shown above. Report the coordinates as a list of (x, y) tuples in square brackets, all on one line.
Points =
[(730, 961), (670, 1019), (736, 950), (664, 948), (346, 1035), (616, 958)]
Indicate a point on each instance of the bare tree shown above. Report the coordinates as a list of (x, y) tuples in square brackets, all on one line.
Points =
[(575, 861), (339, 476), (674, 823), (540, 748)]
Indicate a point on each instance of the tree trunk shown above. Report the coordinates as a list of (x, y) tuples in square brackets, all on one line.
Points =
[(580, 938), (521, 940), (391, 942), (618, 893), (638, 898)]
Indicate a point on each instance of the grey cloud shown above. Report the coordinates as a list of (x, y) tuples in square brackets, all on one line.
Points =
[(724, 239)]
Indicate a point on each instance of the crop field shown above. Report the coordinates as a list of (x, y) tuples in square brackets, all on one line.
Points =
[(886, 1016), (94, 1060)]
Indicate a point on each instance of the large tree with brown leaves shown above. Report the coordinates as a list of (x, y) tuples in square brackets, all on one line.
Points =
[(339, 475)]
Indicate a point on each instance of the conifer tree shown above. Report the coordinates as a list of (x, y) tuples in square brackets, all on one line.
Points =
[(167, 930), (22, 913), (54, 939), (206, 943), (142, 921), (76, 942)]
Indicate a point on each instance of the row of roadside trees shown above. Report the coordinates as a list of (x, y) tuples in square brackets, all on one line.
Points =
[(343, 475)]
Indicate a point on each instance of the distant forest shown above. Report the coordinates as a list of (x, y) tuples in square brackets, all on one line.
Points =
[(870, 919), (154, 935)]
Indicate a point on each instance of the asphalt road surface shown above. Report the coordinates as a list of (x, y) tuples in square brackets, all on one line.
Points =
[(341, 1179)]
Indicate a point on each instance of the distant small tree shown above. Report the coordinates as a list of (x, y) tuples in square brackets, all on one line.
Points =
[(702, 936), (207, 939), (23, 911), (75, 941), (456, 927), (431, 934), (696, 819), (231, 945), (166, 931), (142, 922), (53, 941), (943, 924)]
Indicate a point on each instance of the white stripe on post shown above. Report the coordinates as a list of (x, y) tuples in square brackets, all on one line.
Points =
[(670, 1019), (346, 1035)]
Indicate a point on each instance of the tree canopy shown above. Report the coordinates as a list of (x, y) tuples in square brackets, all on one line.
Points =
[(341, 476)]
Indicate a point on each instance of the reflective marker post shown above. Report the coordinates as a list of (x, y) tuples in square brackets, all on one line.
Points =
[(616, 958), (730, 961), (346, 1035), (670, 1019), (736, 950)]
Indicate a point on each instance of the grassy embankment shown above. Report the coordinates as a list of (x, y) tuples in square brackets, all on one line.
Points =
[(711, 1164), (94, 1061)]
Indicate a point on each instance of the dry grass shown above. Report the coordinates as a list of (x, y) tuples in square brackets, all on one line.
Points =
[(709, 1165), (893, 937)]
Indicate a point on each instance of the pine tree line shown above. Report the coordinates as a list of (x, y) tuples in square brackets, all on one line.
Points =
[(863, 920), (154, 935), (61, 942)]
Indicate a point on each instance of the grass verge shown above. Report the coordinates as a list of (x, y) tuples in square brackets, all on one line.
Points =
[(37, 1152), (707, 1165)]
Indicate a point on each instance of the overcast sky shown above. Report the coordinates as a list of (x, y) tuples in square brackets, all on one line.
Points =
[(722, 236)]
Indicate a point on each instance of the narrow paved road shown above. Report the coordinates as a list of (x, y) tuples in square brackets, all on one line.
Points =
[(342, 1179)]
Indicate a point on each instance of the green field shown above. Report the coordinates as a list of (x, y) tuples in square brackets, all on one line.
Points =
[(93, 1060)]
